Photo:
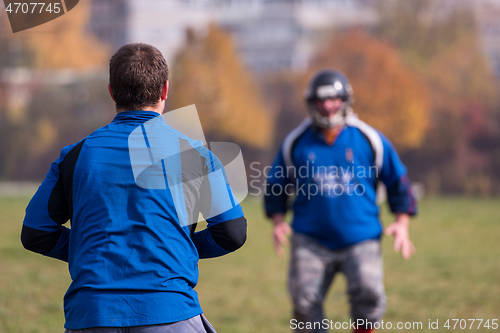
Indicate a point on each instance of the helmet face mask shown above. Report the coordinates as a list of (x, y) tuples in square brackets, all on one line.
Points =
[(329, 84), (328, 121)]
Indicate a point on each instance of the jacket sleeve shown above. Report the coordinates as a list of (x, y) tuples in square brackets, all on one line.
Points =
[(43, 231), (276, 187), (227, 226), (393, 174)]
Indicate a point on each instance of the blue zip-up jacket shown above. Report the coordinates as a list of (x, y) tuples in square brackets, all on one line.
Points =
[(132, 251), (335, 185)]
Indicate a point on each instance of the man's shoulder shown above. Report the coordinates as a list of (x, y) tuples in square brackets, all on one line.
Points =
[(297, 133), (353, 122), (292, 138), (70, 148), (299, 129)]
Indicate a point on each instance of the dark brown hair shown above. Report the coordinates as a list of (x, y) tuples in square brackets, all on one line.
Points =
[(137, 73)]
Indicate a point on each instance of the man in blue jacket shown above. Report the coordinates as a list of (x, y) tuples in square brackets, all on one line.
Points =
[(332, 163), (132, 251)]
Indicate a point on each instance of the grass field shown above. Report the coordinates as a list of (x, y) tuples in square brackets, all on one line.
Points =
[(454, 274)]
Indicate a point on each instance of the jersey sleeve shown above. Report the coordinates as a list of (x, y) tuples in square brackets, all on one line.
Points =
[(43, 231), (275, 195), (394, 175), (226, 229)]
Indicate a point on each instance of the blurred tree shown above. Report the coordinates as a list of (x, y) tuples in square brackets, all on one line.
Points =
[(37, 117), (464, 104), (440, 40), (13, 53), (420, 29), (208, 72), (59, 115), (388, 94), (283, 98), (64, 42)]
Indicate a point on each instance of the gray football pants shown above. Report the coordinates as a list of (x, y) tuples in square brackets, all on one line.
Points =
[(313, 267), (197, 324)]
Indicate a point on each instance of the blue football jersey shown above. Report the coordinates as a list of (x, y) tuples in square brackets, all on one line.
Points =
[(132, 252), (335, 186)]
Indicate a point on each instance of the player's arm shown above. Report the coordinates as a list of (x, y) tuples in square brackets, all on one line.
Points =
[(227, 227), (219, 239), (276, 203), (401, 199), (43, 231)]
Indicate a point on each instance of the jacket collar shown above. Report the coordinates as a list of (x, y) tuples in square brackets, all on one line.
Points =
[(136, 116)]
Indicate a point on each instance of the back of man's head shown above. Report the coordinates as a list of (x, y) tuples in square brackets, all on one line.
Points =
[(137, 73)]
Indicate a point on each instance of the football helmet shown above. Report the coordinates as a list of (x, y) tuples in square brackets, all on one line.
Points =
[(329, 84)]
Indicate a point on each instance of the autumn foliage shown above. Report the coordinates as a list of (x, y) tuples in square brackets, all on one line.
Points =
[(208, 73), (419, 75), (64, 43), (388, 94), (460, 153)]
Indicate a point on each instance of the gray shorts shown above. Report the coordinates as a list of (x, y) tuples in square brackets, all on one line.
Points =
[(313, 267), (197, 324)]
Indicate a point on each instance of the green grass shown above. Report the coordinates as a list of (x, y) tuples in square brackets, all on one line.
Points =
[(454, 274)]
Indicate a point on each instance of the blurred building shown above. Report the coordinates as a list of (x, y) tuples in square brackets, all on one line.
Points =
[(110, 21), (280, 34), (269, 34)]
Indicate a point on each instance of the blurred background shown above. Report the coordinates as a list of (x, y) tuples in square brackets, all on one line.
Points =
[(424, 72)]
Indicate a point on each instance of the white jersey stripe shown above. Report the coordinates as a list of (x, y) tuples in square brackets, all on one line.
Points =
[(373, 136), (351, 120), (290, 140)]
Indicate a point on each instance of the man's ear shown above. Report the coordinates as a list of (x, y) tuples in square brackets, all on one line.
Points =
[(164, 91), (110, 92)]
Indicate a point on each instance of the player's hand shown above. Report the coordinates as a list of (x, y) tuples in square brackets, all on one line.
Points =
[(281, 232), (400, 230)]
